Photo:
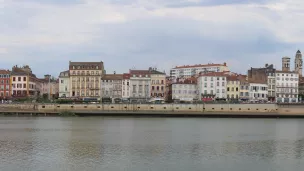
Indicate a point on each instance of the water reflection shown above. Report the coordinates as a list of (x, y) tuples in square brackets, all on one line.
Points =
[(150, 144)]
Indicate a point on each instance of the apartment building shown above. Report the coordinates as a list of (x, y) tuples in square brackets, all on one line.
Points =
[(64, 84), (158, 84), (23, 82), (244, 89), (188, 71), (85, 79), (213, 85), (126, 90), (287, 85), (258, 91), (5, 88), (184, 91), (111, 86), (140, 85)]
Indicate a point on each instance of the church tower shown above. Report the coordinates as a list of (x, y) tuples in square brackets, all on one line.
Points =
[(298, 63)]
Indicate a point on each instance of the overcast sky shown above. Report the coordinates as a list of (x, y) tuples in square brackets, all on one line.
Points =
[(124, 34)]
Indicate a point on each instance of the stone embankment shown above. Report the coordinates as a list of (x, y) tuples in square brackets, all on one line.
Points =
[(271, 110)]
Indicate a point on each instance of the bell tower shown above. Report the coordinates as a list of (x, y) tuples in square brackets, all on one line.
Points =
[(298, 63)]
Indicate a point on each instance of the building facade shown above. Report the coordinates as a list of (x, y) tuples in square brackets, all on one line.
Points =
[(188, 71), (287, 85), (233, 87), (5, 88), (244, 90), (271, 82), (184, 91), (85, 79), (258, 92), (126, 90), (140, 81), (64, 84), (213, 85), (23, 82), (111, 86), (158, 84)]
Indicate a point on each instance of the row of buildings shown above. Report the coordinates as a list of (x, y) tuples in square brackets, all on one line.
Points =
[(21, 82), (88, 80), (216, 82), (201, 82)]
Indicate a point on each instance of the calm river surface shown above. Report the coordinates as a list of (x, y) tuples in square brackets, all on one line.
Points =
[(156, 144)]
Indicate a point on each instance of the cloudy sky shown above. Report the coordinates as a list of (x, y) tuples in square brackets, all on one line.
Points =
[(124, 34)]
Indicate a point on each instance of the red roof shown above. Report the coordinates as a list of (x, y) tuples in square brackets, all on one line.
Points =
[(2, 71), (200, 65), (126, 76)]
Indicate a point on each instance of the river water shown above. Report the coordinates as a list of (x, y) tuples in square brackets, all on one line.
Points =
[(156, 144)]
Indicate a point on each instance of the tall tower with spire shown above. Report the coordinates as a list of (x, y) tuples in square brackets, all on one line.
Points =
[(298, 63)]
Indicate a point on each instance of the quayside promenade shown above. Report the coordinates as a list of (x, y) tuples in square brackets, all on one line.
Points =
[(203, 110)]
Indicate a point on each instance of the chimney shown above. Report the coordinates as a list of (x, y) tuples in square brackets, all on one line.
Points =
[(114, 72)]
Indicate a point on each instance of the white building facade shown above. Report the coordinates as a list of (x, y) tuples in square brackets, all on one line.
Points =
[(287, 85), (258, 92), (140, 85), (213, 84), (184, 92), (111, 86), (188, 71), (64, 84), (271, 82), (126, 90)]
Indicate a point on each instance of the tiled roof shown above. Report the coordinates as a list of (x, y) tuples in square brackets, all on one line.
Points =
[(2, 71), (199, 65), (112, 77), (126, 76), (86, 65)]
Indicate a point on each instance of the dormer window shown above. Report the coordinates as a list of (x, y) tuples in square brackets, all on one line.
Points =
[(96, 67), (73, 67)]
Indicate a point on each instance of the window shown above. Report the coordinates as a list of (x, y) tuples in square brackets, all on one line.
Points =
[(24, 78), (211, 78), (205, 85), (162, 81), (237, 89), (217, 91), (24, 85), (211, 91), (152, 87), (61, 81), (217, 84), (205, 78), (223, 78), (19, 78), (223, 90), (232, 89), (205, 91), (218, 78), (228, 89), (211, 85), (14, 78), (223, 83)]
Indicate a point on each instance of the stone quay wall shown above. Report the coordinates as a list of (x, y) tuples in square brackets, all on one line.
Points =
[(291, 109)]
